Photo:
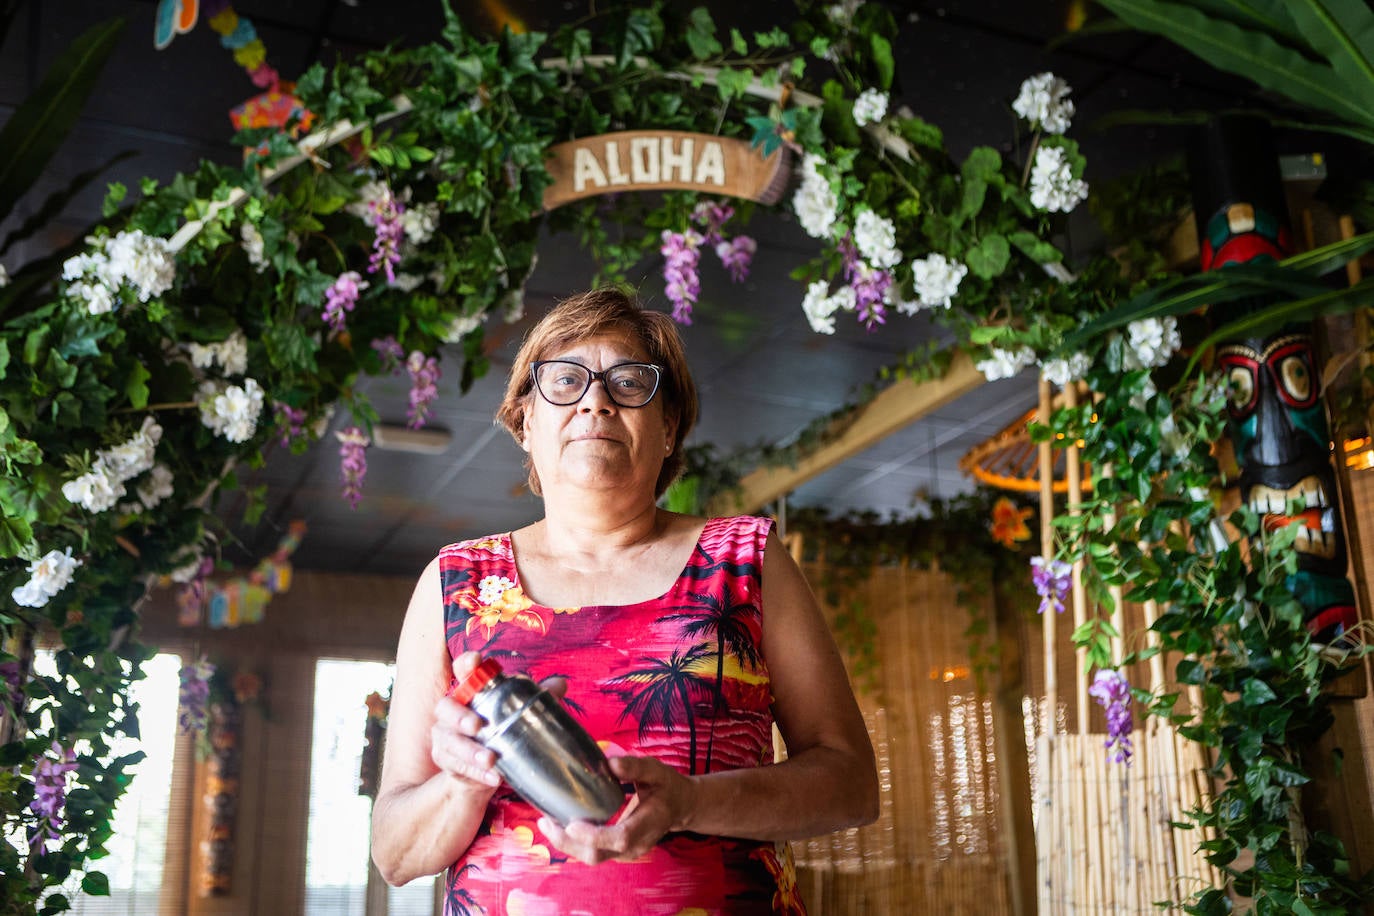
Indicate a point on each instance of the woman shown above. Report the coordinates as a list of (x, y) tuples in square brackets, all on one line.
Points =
[(671, 651)]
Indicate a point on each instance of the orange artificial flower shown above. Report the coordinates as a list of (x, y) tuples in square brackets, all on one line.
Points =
[(1009, 523), (376, 706)]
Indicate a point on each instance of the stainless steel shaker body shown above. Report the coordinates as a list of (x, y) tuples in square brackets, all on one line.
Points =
[(543, 753)]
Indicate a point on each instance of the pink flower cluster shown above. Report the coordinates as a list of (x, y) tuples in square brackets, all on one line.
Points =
[(1052, 580), (424, 376), (194, 697), (386, 213), (341, 298), (50, 793), (1111, 689), (682, 256), (869, 283), (290, 420), (353, 443)]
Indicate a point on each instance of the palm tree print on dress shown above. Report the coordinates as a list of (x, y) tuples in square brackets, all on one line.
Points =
[(714, 567), (728, 621), (460, 900), (663, 687)]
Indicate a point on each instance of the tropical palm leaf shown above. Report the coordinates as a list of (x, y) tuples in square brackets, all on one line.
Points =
[(1293, 278), (1255, 55), (1262, 321), (58, 200), (42, 121), (1342, 31)]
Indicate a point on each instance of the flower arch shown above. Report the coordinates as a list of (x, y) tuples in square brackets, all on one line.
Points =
[(231, 308)]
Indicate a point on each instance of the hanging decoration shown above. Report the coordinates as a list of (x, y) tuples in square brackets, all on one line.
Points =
[(241, 599), (370, 766)]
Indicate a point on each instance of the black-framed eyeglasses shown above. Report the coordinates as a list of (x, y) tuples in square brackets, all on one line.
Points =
[(562, 382)]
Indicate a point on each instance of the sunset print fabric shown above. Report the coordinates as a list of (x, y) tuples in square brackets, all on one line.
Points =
[(681, 678)]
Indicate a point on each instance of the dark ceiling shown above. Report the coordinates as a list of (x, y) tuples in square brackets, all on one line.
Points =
[(764, 376)]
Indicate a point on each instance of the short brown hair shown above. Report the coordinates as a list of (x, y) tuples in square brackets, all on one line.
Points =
[(584, 316)]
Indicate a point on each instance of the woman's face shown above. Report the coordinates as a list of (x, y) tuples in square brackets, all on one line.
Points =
[(595, 443)]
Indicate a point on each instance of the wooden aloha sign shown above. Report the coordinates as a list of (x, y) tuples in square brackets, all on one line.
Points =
[(659, 160)]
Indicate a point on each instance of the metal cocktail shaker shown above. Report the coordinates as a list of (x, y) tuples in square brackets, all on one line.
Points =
[(542, 752)]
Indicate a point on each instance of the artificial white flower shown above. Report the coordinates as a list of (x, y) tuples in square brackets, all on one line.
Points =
[(936, 279), (1052, 185), (1043, 100), (407, 282), (1151, 342), (253, 246), (1005, 363), (97, 296), (1061, 371), (133, 456), (96, 490), (232, 353), (48, 575), (870, 107), (4, 277), (368, 194), (419, 222), (189, 568), (843, 11), (815, 202), (461, 326), (202, 355), (145, 262), (820, 307), (876, 238), (157, 487), (231, 410)]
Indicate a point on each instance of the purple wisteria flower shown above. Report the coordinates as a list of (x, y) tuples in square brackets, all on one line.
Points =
[(353, 443), (390, 352), (390, 231), (290, 420), (711, 215), (424, 375), (1113, 691), (194, 696), (1053, 579), (682, 254), (870, 285), (341, 297), (50, 794), (736, 256)]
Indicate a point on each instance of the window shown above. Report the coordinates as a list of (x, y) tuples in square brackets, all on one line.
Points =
[(337, 855)]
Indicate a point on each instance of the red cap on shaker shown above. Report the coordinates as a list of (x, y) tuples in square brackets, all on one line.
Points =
[(477, 678)]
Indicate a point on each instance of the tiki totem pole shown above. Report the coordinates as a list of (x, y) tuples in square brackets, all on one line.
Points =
[(1277, 421)]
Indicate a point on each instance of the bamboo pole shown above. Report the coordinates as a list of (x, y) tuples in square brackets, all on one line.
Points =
[(1054, 874)]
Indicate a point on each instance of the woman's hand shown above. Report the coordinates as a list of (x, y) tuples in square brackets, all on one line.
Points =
[(662, 801), (453, 737)]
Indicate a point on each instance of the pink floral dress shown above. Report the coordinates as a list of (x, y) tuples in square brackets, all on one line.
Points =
[(681, 678)]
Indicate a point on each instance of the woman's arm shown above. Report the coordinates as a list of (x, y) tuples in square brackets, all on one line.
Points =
[(828, 782), (436, 780)]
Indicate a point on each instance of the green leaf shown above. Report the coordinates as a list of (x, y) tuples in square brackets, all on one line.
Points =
[(989, 257), (42, 121), (732, 84), (96, 884), (136, 386), (701, 35), (1253, 55), (15, 535), (290, 348), (1255, 692), (737, 43), (1034, 247), (881, 49), (1342, 31)]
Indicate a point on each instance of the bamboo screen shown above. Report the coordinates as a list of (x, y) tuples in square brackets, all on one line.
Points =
[(936, 846)]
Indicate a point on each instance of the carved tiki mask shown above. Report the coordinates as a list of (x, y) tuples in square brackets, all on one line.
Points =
[(1277, 420)]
